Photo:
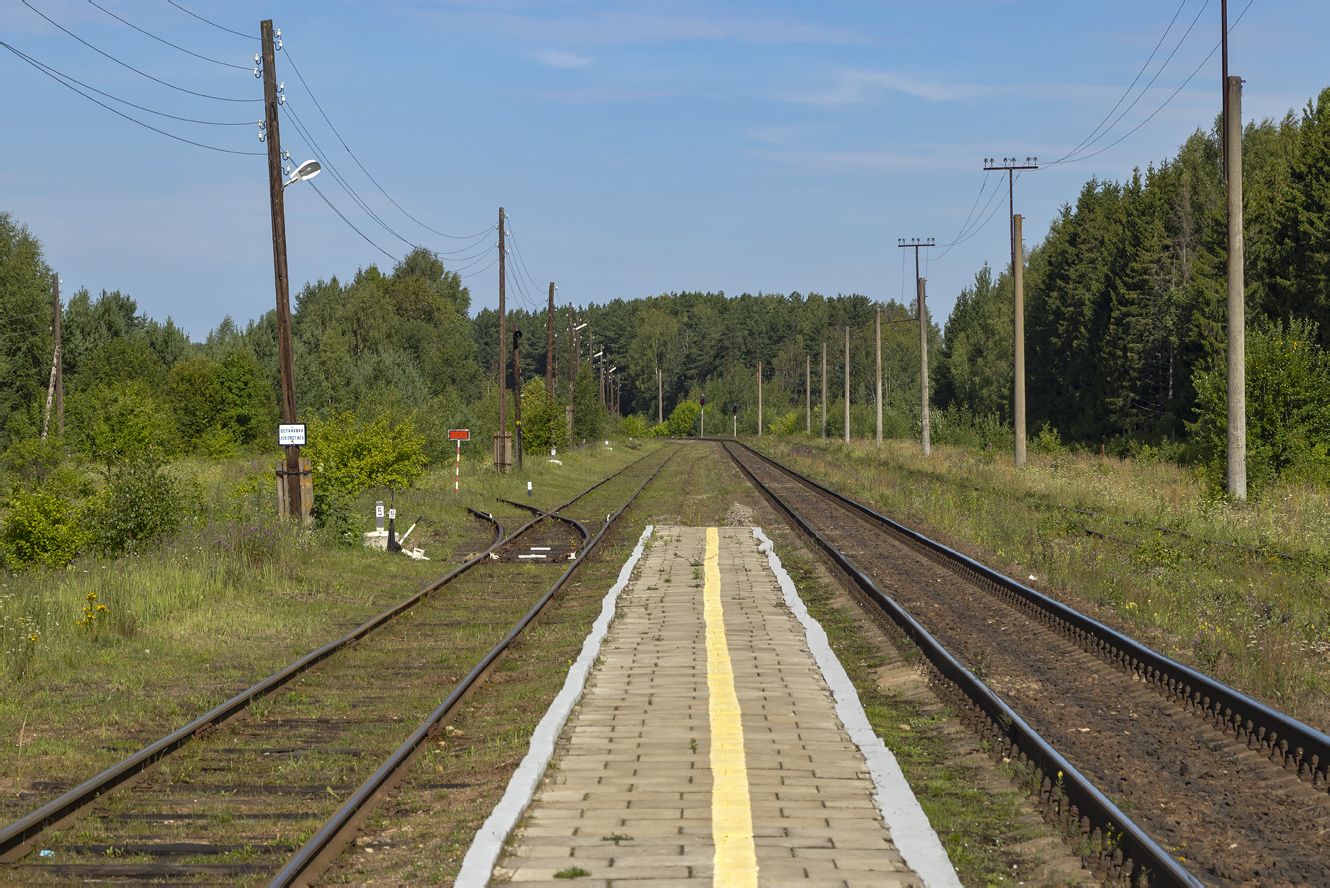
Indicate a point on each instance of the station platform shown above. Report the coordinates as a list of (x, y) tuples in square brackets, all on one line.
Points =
[(716, 740)]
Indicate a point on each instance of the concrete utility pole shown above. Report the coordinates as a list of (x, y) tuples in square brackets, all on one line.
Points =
[(55, 362), (517, 397), (572, 368), (1018, 289), (824, 391), (1011, 165), (877, 377), (1223, 84), (549, 347), (915, 244), (660, 397), (501, 438), (808, 394), (923, 371), (759, 399), (285, 358), (1237, 316), (847, 384)]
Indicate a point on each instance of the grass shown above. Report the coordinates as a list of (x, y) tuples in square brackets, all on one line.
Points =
[(1253, 620), (212, 611)]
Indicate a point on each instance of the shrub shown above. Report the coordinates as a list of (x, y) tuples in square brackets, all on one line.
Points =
[(41, 529), (1288, 409), (683, 419), (140, 504), (349, 456)]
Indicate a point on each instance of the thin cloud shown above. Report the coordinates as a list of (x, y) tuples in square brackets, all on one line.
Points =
[(593, 96), (859, 86), (558, 58)]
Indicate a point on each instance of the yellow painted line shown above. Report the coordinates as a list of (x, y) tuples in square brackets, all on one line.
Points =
[(735, 862)]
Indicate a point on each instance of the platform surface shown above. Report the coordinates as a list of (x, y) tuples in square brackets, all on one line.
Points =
[(706, 748)]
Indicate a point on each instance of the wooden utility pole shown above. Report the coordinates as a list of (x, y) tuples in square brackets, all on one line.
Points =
[(915, 244), (877, 377), (549, 347), (1011, 165), (1237, 317), (923, 372), (572, 368), (285, 359), (501, 438), (824, 391), (660, 397), (847, 383), (1018, 297), (56, 382)]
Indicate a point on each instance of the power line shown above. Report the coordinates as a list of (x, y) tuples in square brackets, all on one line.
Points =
[(36, 65), (982, 225), (47, 69), (129, 66), (167, 42), (1170, 98), (301, 77), (348, 222), (1134, 81), (206, 22)]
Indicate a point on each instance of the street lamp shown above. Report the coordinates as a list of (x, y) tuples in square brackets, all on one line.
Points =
[(307, 170)]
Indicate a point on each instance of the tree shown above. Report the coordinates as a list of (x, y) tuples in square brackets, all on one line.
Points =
[(25, 344), (976, 370)]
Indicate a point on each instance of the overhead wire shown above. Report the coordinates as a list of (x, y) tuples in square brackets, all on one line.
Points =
[(1172, 96), (214, 24), (129, 66), (997, 192), (342, 141), (517, 248), (1134, 81), (163, 132), (167, 42), (47, 69), (349, 223)]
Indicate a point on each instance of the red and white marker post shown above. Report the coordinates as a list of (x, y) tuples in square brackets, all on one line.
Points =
[(458, 435)]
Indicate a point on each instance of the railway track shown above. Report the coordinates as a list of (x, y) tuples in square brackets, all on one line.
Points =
[(272, 784), (1156, 773)]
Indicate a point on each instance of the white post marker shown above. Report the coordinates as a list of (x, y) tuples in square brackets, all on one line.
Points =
[(528, 490), (458, 435)]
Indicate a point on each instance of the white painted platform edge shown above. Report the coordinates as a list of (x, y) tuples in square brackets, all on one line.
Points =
[(478, 865), (911, 832)]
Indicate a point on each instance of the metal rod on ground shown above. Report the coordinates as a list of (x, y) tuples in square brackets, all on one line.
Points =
[(285, 356), (1237, 323)]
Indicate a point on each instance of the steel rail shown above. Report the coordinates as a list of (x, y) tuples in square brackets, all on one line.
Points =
[(323, 849), (1070, 799), (16, 838), (1285, 741), (581, 528)]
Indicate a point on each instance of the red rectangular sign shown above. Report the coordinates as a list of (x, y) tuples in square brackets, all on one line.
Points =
[(459, 434)]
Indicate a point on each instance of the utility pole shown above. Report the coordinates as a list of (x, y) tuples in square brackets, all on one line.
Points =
[(1011, 165), (1223, 84), (1018, 297), (660, 397), (877, 378), (501, 438), (924, 436), (847, 383), (549, 347), (1237, 318), (759, 399), (572, 368), (285, 358), (808, 394), (517, 397), (56, 382), (915, 244), (824, 390)]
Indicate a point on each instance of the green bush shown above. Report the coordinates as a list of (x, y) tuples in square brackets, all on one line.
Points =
[(140, 504), (1288, 410), (41, 529), (349, 456), (683, 419)]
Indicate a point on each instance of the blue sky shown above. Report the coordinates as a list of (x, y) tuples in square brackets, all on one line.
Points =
[(638, 147)]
